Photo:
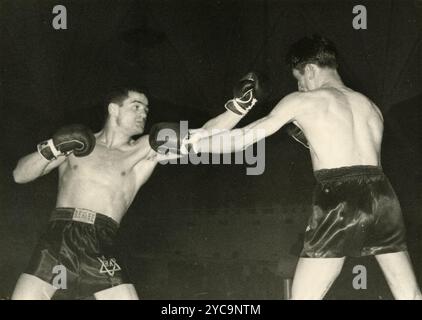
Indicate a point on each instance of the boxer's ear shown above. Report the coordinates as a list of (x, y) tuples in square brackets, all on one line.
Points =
[(113, 109), (310, 71)]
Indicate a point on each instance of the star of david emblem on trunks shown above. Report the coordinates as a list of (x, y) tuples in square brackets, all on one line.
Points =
[(109, 266)]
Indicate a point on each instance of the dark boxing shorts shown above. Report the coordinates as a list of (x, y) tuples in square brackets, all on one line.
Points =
[(355, 213), (78, 243)]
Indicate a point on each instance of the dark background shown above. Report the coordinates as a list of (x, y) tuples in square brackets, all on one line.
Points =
[(203, 231)]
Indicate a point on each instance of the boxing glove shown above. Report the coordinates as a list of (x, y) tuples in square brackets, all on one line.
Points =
[(247, 92), (165, 137), (76, 139)]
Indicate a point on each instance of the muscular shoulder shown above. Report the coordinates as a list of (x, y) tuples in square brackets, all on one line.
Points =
[(365, 105), (354, 101), (299, 102), (142, 147), (146, 152), (141, 142), (371, 107), (298, 97)]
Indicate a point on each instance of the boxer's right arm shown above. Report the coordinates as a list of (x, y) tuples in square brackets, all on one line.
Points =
[(34, 166), (76, 139)]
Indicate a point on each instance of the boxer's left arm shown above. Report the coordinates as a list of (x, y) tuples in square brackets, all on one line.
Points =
[(239, 139), (248, 91), (225, 120)]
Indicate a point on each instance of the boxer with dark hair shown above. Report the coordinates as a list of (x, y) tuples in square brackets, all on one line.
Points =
[(99, 176), (355, 210)]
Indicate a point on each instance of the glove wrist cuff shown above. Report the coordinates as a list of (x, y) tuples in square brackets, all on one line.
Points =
[(234, 107), (241, 106), (47, 150)]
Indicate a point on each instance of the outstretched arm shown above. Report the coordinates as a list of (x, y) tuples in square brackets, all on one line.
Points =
[(171, 141), (238, 139), (225, 120)]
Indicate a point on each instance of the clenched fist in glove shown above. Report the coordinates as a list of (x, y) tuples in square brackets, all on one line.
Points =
[(76, 139), (247, 92)]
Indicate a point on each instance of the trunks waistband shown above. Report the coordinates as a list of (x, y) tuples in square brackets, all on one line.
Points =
[(81, 215), (344, 173)]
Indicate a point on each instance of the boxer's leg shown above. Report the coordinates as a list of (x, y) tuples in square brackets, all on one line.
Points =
[(314, 276), (399, 274), (30, 287), (121, 292)]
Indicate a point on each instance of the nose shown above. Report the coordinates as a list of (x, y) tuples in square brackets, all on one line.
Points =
[(142, 112)]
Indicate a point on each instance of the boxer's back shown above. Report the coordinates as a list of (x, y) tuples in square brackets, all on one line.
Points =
[(343, 127)]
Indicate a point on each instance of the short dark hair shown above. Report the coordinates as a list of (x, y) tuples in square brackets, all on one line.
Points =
[(118, 95), (315, 49)]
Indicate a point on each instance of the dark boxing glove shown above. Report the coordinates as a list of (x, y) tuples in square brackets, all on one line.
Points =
[(168, 137), (247, 92), (74, 138), (296, 133)]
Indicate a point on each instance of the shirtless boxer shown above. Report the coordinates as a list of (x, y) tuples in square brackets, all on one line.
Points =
[(99, 176), (355, 210)]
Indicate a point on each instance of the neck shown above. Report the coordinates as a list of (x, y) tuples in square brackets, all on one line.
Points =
[(331, 79), (111, 137)]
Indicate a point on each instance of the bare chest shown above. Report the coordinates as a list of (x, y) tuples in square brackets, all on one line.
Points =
[(103, 163)]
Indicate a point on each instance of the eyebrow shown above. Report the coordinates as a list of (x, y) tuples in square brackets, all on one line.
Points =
[(141, 102)]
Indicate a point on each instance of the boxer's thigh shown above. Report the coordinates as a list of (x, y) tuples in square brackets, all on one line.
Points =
[(398, 271), (30, 287), (314, 277), (124, 291)]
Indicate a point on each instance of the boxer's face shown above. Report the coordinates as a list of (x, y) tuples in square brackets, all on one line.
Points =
[(133, 113)]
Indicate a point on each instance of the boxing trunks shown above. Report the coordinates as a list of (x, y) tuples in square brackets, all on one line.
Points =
[(355, 213), (80, 244)]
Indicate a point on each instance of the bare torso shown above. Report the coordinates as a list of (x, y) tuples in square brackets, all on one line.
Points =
[(343, 127), (107, 180)]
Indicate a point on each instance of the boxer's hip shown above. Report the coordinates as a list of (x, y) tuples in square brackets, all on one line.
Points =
[(355, 212), (81, 227), (85, 216), (82, 241), (351, 173)]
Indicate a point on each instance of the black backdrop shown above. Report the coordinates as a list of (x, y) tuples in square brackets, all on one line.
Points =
[(202, 231)]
